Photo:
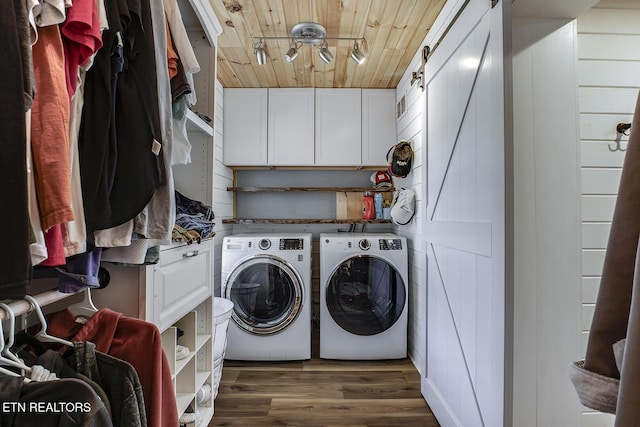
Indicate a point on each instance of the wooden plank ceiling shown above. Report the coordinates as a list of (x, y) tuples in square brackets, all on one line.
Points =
[(393, 30)]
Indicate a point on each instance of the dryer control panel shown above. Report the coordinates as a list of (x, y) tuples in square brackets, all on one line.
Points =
[(291, 244), (390, 244)]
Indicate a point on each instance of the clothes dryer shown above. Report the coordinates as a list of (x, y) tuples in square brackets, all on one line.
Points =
[(268, 278), (363, 296)]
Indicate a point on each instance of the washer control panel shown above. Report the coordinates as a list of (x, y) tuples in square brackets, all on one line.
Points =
[(390, 244), (291, 244)]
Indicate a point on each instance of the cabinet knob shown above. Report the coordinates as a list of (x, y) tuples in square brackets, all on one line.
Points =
[(191, 254)]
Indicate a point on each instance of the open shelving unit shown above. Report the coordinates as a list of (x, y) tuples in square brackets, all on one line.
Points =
[(348, 202), (194, 370)]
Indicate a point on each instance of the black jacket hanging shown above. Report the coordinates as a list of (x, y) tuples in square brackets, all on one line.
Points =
[(120, 148), (15, 267)]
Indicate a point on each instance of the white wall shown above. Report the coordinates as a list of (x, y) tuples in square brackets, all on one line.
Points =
[(546, 315), (222, 199), (410, 128), (609, 78), (550, 9)]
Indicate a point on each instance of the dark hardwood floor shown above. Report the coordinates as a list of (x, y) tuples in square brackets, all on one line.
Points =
[(321, 392)]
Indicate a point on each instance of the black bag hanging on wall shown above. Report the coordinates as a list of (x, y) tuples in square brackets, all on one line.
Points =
[(400, 159)]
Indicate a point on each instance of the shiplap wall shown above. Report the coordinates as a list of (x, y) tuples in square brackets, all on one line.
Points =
[(609, 79), (409, 127), (222, 199)]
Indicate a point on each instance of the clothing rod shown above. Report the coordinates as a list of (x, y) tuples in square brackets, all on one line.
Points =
[(20, 306)]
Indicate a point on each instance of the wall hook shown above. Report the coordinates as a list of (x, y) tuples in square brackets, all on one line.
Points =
[(621, 129)]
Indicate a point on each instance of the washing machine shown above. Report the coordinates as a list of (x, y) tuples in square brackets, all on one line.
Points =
[(363, 296), (268, 278)]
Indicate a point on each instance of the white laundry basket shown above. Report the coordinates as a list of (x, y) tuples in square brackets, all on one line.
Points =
[(222, 309)]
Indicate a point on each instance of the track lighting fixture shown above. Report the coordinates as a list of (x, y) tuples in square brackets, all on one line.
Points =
[(308, 33), (260, 52)]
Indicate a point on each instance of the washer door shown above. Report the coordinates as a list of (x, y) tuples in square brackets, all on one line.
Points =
[(365, 295), (266, 292)]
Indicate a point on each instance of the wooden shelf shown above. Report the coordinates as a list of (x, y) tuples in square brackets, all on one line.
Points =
[(304, 221)]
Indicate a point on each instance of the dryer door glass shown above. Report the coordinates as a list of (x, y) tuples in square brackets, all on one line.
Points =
[(266, 293), (365, 295)]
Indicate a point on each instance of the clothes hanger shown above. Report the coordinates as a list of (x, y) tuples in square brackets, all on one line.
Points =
[(86, 307), (12, 334), (11, 373), (43, 335), (6, 357)]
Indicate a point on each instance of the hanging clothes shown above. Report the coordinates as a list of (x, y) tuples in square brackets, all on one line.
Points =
[(55, 247), (181, 153), (140, 167), (96, 137), (38, 247), (58, 394), (81, 38), (75, 238), (156, 220), (134, 341), (609, 378), (119, 380), (127, 167), (15, 268), (26, 41), (50, 130), (49, 12), (54, 363)]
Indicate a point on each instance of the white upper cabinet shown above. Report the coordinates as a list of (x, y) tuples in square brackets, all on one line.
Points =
[(308, 127), (291, 127), (338, 127), (245, 127), (378, 125)]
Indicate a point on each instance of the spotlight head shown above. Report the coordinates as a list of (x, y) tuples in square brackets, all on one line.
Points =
[(261, 56), (291, 54), (325, 55), (260, 52), (357, 55)]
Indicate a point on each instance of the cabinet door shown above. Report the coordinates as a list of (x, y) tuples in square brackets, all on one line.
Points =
[(181, 280), (245, 127), (291, 128), (338, 127), (378, 125)]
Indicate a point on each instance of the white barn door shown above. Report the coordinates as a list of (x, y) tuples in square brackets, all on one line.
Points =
[(464, 372)]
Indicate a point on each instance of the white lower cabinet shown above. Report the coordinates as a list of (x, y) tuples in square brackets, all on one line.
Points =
[(176, 295)]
